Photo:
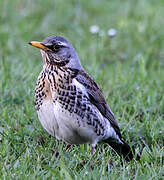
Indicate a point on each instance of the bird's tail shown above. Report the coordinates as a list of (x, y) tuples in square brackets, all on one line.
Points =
[(122, 149)]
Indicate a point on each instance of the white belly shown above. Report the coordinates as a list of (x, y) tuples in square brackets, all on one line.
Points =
[(72, 128), (47, 118), (69, 127)]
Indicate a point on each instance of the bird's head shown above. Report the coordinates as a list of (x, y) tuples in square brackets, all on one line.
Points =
[(58, 51)]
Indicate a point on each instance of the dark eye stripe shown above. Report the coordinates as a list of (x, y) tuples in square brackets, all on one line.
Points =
[(56, 47)]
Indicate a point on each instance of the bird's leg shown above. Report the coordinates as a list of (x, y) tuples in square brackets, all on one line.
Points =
[(92, 150), (67, 147)]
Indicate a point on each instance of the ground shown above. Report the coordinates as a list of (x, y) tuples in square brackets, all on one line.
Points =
[(129, 68)]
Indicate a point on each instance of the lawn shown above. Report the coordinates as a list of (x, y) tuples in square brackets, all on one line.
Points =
[(129, 68)]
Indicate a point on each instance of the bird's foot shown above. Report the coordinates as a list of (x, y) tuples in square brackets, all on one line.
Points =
[(92, 150), (67, 147)]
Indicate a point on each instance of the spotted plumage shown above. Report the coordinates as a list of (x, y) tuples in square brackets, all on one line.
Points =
[(69, 104)]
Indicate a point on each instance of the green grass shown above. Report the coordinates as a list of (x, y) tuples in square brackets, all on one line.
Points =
[(129, 69)]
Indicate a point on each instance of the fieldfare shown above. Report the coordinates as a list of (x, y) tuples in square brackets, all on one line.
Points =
[(69, 103)]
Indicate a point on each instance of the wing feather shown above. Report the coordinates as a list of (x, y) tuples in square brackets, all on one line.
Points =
[(97, 98)]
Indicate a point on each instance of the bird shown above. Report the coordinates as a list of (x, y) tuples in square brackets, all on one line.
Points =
[(69, 103)]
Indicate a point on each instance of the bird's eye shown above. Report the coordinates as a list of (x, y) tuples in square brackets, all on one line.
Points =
[(56, 47)]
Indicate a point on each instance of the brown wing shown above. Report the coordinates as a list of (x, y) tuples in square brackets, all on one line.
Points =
[(97, 98)]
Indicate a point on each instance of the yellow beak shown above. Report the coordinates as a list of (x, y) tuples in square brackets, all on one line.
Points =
[(38, 45)]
